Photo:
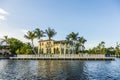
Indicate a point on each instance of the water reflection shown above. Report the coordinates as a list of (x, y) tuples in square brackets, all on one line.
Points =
[(59, 70), (62, 70)]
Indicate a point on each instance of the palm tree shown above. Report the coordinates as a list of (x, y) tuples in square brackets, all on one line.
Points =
[(73, 36), (50, 33), (117, 49), (111, 50), (81, 41), (31, 36), (4, 40), (39, 34), (68, 41), (73, 39), (101, 46)]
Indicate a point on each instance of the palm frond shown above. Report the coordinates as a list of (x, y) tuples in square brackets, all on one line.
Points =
[(50, 32)]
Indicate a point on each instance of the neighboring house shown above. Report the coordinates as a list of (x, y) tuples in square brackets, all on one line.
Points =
[(54, 47), (4, 47)]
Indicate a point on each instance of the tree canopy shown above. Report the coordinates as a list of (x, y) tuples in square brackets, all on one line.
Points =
[(73, 39)]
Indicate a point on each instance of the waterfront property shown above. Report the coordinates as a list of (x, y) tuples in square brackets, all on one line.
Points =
[(4, 52), (55, 47)]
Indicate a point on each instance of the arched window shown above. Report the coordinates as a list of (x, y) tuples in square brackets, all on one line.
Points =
[(54, 51), (57, 50), (42, 50)]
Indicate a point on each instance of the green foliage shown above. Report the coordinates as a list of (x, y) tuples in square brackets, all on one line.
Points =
[(50, 33), (17, 46), (25, 49), (39, 33), (31, 36), (117, 49), (100, 49), (73, 36), (14, 44), (76, 41), (111, 50), (73, 39)]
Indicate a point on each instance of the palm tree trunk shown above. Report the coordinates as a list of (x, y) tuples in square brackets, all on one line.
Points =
[(83, 48), (40, 48), (49, 47), (33, 47)]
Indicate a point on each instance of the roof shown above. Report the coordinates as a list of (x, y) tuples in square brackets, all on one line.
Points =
[(46, 40), (60, 41), (51, 40)]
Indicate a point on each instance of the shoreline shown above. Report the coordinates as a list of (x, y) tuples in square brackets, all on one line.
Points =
[(13, 58), (61, 57)]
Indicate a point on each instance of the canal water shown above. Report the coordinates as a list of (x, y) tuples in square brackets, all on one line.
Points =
[(59, 70)]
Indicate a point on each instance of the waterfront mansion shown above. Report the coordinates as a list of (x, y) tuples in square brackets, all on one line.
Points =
[(54, 47)]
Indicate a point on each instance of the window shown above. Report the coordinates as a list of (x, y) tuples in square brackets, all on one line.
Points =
[(42, 50)]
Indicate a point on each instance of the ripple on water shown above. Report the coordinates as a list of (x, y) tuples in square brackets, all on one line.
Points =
[(59, 70)]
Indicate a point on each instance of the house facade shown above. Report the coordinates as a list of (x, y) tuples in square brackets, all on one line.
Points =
[(54, 47)]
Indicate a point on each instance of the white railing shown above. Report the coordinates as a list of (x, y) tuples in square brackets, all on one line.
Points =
[(63, 56)]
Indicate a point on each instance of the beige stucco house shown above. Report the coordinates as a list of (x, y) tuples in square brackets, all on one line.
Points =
[(54, 47)]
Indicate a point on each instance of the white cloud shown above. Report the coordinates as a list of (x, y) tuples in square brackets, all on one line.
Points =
[(3, 14), (2, 17), (24, 31), (2, 11), (90, 45)]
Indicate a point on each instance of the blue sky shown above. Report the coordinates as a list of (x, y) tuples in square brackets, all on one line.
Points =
[(96, 20)]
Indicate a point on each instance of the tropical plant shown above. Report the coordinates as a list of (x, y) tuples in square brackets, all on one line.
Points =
[(39, 34), (117, 49), (14, 44), (31, 36), (68, 41), (81, 42), (74, 36), (102, 47), (50, 33), (71, 39), (4, 40), (111, 50), (24, 49)]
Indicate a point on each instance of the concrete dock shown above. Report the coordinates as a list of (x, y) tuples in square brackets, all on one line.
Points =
[(61, 57)]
